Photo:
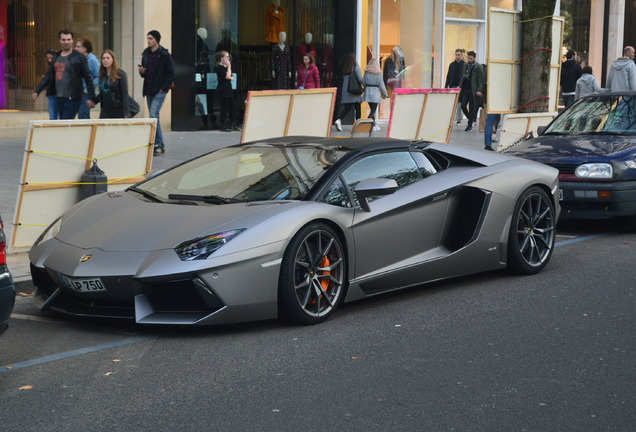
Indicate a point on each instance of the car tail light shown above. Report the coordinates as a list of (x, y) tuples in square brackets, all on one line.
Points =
[(604, 194), (3, 251)]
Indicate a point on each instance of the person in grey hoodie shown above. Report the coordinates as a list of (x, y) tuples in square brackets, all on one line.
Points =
[(622, 73), (587, 84)]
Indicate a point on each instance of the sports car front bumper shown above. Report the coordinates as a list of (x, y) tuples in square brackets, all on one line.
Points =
[(149, 290)]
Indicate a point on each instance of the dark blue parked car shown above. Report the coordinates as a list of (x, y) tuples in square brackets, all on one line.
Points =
[(7, 289), (593, 145)]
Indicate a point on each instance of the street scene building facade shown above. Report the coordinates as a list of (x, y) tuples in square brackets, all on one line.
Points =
[(416, 38)]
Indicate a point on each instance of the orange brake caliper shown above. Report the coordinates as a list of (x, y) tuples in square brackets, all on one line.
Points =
[(325, 282)]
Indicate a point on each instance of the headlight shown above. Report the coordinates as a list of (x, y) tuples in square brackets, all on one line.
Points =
[(50, 232), (203, 247), (595, 171)]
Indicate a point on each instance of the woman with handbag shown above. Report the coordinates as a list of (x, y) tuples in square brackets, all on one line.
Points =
[(351, 90), (374, 88), (113, 88), (307, 76)]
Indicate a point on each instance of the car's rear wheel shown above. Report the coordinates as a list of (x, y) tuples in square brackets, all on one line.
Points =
[(313, 275), (532, 232)]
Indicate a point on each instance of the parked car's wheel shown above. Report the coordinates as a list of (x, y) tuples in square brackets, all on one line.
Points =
[(532, 232), (313, 275)]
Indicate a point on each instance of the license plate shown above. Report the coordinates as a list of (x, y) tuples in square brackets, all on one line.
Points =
[(84, 285), (560, 194)]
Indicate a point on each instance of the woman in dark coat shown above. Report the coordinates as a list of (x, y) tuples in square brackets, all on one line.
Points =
[(113, 88), (349, 100)]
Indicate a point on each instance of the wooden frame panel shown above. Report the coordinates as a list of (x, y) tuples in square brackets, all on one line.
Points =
[(423, 114), (275, 113), (57, 153)]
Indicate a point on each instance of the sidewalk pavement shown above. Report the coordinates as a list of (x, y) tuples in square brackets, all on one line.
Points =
[(180, 146)]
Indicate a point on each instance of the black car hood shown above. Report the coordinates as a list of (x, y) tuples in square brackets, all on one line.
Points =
[(576, 149)]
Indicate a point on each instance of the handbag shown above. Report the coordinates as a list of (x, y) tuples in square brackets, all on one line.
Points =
[(133, 106), (355, 86)]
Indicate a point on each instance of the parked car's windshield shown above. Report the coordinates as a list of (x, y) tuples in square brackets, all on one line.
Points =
[(598, 115), (245, 174)]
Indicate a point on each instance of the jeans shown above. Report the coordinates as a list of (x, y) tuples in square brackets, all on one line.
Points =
[(154, 106), (84, 111), (54, 110), (568, 99), (468, 106), (491, 121), (68, 107)]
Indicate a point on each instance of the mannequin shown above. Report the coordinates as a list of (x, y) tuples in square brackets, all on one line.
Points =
[(281, 63), (202, 34), (305, 48), (202, 69), (274, 22)]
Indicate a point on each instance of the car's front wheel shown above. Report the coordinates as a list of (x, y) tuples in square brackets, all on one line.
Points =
[(313, 275), (532, 232)]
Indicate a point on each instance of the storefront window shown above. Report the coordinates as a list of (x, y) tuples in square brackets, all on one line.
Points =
[(466, 9), (504, 4), (31, 29), (576, 31), (459, 36), (250, 31)]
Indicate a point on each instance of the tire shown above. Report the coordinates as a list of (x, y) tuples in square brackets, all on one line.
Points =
[(313, 275), (532, 232)]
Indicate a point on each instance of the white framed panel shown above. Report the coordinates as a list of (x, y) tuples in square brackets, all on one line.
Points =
[(58, 152), (311, 114), (275, 113), (423, 114), (406, 112), (440, 107), (514, 127), (505, 48), (265, 116)]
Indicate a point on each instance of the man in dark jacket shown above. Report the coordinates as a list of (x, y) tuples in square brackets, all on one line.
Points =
[(570, 72), (64, 78), (473, 85), (455, 75), (157, 70)]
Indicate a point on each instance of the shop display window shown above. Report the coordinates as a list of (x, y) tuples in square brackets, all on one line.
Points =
[(31, 30)]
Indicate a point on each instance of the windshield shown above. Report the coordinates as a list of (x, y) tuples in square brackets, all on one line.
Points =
[(598, 115), (236, 174)]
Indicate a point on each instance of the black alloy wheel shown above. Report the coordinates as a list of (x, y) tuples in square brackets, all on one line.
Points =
[(532, 232), (313, 272)]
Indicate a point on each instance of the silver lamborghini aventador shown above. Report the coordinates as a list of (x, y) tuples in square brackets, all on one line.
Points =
[(290, 227)]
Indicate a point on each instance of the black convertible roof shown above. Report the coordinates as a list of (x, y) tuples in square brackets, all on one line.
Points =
[(361, 144)]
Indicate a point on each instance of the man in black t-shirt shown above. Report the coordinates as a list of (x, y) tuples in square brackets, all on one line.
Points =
[(64, 78)]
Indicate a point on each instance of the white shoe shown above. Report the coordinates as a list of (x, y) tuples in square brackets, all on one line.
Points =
[(376, 128), (338, 124)]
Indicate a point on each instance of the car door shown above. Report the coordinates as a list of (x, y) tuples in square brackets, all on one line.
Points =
[(402, 229)]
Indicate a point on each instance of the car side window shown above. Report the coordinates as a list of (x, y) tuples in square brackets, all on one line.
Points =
[(426, 166), (399, 166), (337, 195)]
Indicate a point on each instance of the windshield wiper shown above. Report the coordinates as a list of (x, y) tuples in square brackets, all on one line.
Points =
[(210, 199), (146, 194)]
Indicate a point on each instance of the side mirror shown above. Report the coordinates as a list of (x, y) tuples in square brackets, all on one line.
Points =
[(541, 129), (374, 187)]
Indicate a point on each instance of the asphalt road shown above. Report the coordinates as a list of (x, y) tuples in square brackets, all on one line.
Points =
[(550, 352)]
